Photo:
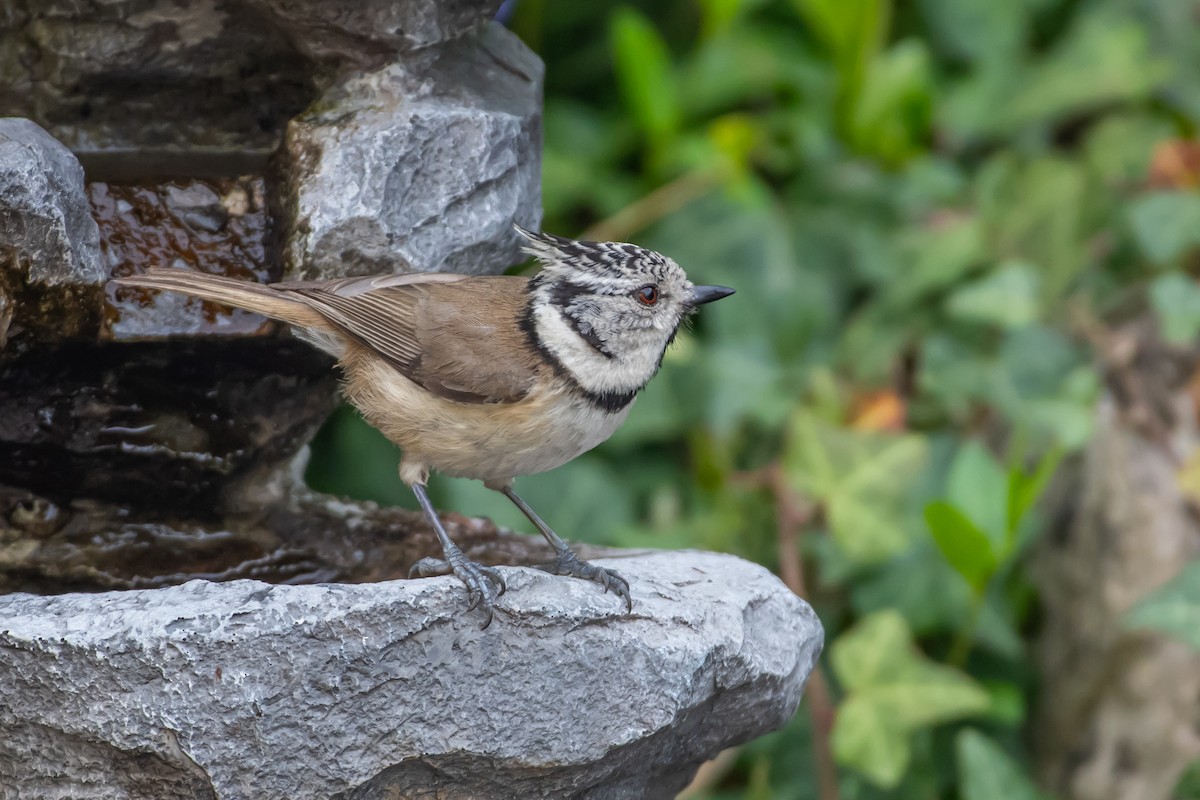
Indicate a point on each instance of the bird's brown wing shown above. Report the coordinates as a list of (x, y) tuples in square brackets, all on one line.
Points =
[(458, 337)]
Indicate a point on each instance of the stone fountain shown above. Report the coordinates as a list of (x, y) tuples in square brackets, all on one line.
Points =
[(180, 616)]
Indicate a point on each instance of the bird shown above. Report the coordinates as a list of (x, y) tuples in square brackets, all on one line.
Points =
[(486, 377)]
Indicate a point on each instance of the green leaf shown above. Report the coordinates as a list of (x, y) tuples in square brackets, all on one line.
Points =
[(854, 31), (864, 479), (986, 772), (1166, 224), (1044, 383), (892, 115), (866, 738), (1188, 787), (1007, 702), (645, 75), (1034, 212), (965, 547), (978, 487), (894, 691), (1024, 490), (1007, 298), (938, 258), (931, 596), (718, 15), (976, 30), (1105, 60), (1120, 148), (1176, 300), (866, 655), (1173, 609)]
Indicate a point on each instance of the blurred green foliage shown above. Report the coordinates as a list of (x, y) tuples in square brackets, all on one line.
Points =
[(920, 203)]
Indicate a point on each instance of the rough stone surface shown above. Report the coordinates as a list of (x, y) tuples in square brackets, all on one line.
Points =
[(245, 689), (50, 269), (363, 31), (163, 426), (423, 165), (99, 73), (45, 220)]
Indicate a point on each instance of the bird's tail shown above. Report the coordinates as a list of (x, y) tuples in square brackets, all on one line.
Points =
[(227, 291)]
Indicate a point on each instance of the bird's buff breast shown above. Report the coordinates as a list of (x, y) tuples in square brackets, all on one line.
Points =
[(493, 442)]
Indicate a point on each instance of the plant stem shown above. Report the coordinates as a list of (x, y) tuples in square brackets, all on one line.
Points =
[(961, 648), (792, 513), (666, 199)]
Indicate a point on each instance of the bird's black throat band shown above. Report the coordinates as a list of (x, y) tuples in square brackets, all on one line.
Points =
[(611, 402)]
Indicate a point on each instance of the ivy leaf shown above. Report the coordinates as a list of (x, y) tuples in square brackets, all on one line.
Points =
[(1166, 224), (863, 478), (1176, 301), (938, 259), (866, 738), (986, 772), (978, 487), (1173, 609), (976, 30), (893, 691), (1007, 298)]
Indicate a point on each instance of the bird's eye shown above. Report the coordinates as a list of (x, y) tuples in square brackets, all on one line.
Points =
[(647, 295)]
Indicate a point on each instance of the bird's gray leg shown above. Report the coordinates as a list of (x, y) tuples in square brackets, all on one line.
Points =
[(566, 562), (478, 578)]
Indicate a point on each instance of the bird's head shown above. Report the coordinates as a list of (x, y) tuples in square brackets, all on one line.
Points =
[(607, 310)]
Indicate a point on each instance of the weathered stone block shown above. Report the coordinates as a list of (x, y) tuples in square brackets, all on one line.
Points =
[(247, 690), (45, 221), (423, 165)]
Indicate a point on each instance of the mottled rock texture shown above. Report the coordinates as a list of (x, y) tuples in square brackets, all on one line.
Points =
[(45, 221), (99, 73), (423, 165), (248, 690), (410, 130), (49, 244)]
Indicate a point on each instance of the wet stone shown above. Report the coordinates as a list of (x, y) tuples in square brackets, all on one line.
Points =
[(158, 425), (219, 226)]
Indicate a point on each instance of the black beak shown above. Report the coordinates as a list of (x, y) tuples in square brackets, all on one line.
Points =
[(706, 294)]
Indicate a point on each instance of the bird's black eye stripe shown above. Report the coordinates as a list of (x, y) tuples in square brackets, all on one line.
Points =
[(564, 293), (647, 295)]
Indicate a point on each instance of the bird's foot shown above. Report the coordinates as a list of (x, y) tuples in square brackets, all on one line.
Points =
[(568, 563), (484, 584)]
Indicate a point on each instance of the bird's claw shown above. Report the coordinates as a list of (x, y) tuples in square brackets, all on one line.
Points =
[(568, 563), (484, 584)]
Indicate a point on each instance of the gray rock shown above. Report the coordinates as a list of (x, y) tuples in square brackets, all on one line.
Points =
[(422, 165), (245, 689), (45, 221), (137, 80), (358, 32), (98, 74)]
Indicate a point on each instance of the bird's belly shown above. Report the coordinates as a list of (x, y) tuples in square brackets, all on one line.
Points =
[(493, 442), (499, 446)]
